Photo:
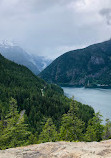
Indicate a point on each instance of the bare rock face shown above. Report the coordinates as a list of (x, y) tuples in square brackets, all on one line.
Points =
[(97, 60), (61, 150)]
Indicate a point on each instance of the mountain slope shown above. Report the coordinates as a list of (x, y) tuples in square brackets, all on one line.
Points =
[(19, 56), (90, 66), (18, 82), (44, 104)]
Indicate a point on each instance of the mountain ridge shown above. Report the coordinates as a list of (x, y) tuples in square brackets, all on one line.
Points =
[(90, 67), (15, 53)]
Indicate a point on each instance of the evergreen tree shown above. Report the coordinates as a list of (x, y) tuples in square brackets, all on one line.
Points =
[(49, 133), (14, 131), (107, 130), (71, 126), (95, 128)]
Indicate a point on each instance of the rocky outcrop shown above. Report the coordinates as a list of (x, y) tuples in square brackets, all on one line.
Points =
[(61, 150)]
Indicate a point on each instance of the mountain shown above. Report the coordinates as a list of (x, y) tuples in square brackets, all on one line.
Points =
[(32, 93), (19, 56), (90, 67), (48, 113)]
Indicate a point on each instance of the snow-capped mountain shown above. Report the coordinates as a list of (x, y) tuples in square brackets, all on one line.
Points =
[(15, 53)]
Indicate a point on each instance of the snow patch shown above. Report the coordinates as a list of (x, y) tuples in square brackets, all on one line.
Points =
[(7, 44)]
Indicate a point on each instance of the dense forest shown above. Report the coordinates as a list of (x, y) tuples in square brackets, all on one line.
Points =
[(89, 67), (33, 111)]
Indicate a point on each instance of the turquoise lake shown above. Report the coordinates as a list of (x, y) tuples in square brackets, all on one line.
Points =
[(99, 99)]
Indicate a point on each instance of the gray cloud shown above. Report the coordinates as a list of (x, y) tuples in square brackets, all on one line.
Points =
[(51, 27), (106, 12), (21, 6)]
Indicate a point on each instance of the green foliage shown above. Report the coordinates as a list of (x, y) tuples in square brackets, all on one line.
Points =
[(14, 132), (13, 113), (49, 133), (107, 130), (71, 126), (94, 130), (32, 139)]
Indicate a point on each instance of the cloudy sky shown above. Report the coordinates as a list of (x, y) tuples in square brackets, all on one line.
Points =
[(52, 27)]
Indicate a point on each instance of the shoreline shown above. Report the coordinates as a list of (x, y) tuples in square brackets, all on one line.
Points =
[(90, 87)]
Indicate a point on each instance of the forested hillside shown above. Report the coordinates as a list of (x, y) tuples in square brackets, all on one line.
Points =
[(90, 67), (32, 111)]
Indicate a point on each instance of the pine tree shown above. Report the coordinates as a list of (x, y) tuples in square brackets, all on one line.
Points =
[(15, 132), (49, 133), (95, 128), (107, 130), (71, 127)]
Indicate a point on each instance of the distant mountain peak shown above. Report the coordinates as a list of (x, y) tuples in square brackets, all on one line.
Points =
[(12, 51), (7, 43)]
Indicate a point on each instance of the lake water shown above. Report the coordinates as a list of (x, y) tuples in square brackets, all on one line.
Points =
[(99, 99)]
